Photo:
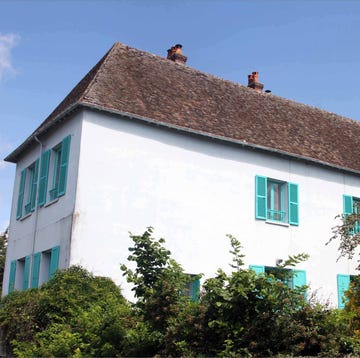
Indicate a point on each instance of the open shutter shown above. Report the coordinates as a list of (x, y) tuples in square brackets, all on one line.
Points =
[(299, 278), (35, 270), (54, 260), (21, 194), (347, 204), (12, 276), (293, 195), (348, 207), (26, 272), (258, 269), (34, 185), (260, 197), (43, 181), (343, 283), (64, 161), (195, 290)]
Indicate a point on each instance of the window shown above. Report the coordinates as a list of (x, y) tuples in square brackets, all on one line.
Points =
[(32, 187), (27, 188), (293, 278), (276, 201), (343, 284), (44, 266), (56, 171), (351, 205), (34, 184), (49, 264)]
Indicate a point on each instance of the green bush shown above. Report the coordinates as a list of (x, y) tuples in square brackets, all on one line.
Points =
[(74, 314)]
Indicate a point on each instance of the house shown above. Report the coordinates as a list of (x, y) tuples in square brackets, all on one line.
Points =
[(148, 141)]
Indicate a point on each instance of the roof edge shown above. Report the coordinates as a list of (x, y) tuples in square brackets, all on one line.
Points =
[(12, 157)]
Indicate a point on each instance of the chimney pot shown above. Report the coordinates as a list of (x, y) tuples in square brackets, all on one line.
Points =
[(253, 82), (175, 54)]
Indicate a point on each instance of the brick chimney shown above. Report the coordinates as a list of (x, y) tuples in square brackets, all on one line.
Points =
[(175, 54), (253, 82)]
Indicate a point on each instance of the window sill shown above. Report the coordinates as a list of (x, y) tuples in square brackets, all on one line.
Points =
[(25, 216), (279, 223), (51, 202)]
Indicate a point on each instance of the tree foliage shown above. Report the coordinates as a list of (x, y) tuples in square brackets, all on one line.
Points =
[(238, 313), (74, 314), (3, 246), (347, 233)]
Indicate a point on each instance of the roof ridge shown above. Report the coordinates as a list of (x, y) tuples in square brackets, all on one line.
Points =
[(210, 76)]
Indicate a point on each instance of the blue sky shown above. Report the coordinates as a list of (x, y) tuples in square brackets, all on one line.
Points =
[(307, 51)]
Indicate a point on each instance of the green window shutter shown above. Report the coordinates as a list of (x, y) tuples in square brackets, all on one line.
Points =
[(12, 276), (34, 185), (299, 278), (64, 161), (260, 197), (293, 194), (26, 272), (43, 181), (35, 270), (195, 290), (343, 283), (21, 194), (54, 260), (258, 269), (347, 204)]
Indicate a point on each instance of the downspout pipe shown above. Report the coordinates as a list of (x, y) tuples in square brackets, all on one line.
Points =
[(36, 213)]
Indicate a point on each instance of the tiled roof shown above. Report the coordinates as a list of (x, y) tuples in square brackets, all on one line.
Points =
[(127, 80)]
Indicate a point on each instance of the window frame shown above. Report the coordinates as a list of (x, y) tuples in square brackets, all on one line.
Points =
[(31, 186), (288, 200)]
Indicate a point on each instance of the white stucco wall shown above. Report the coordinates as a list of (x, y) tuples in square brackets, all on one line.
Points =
[(50, 225), (194, 192)]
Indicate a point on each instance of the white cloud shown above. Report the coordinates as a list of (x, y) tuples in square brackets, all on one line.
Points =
[(7, 42)]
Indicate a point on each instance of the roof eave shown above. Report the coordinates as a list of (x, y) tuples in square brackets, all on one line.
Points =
[(14, 155)]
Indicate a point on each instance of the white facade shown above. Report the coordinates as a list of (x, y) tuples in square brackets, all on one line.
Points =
[(125, 175)]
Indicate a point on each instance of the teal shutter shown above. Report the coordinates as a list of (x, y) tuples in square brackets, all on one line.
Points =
[(293, 194), (347, 204), (26, 272), (21, 194), (343, 283), (299, 278), (260, 197), (195, 290), (43, 181), (54, 260), (257, 269), (35, 270), (12, 276), (64, 161), (34, 185)]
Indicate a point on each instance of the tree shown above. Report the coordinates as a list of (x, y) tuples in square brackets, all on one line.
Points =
[(159, 287), (347, 233), (74, 314), (3, 246)]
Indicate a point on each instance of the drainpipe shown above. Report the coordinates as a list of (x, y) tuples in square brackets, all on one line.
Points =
[(36, 213)]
